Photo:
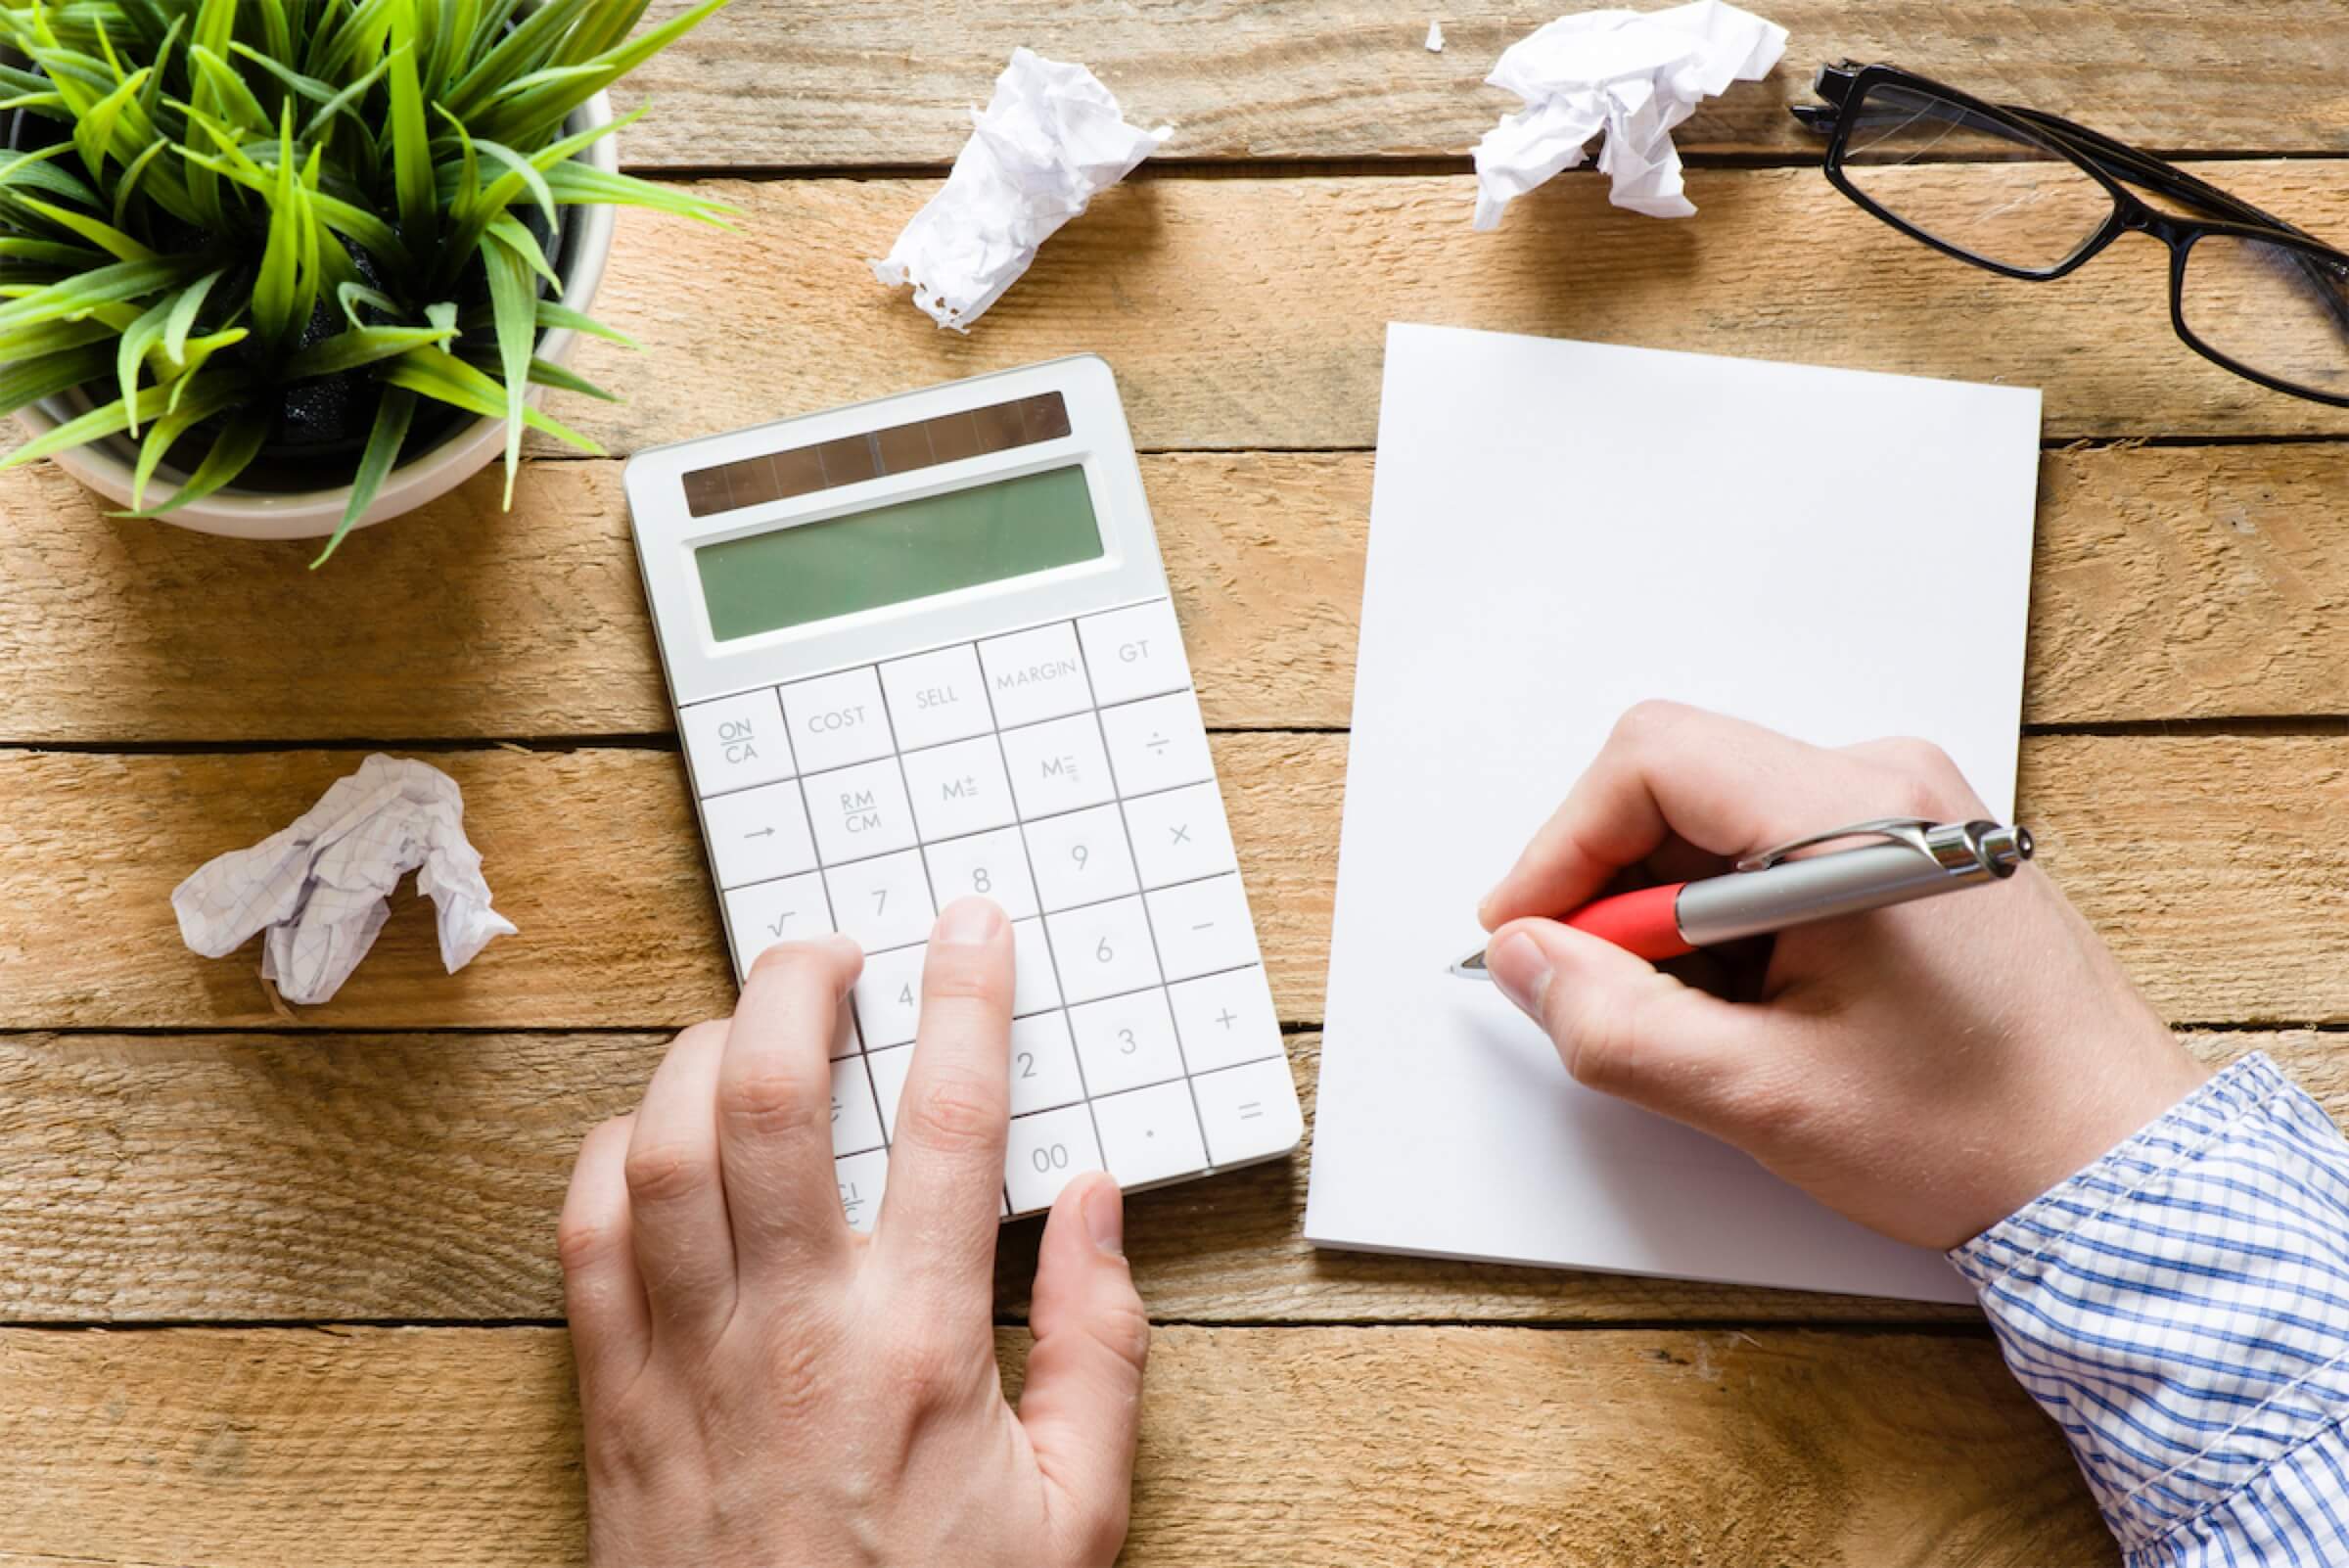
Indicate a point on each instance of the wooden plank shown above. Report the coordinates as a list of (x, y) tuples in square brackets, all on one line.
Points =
[(2174, 582), (459, 1447), (847, 82), (1250, 314), (2209, 863), (417, 1176)]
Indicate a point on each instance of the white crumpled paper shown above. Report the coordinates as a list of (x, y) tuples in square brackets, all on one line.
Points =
[(1635, 75), (322, 888), (1050, 139)]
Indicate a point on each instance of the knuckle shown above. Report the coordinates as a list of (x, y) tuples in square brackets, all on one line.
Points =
[(1598, 1044), (966, 974), (1929, 780), (664, 1172), (956, 1113), (1648, 720), (773, 1100), (1123, 1330), (924, 1372), (581, 1243)]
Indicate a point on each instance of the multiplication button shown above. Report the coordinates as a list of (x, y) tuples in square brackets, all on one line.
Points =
[(1202, 927), (735, 742), (1157, 744), (837, 720), (859, 810), (1180, 835), (758, 834), (1135, 652)]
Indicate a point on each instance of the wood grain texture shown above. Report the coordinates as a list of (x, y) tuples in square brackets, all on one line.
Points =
[(2176, 583), (417, 1176), (2212, 865), (848, 82), (1250, 314), (306, 1449)]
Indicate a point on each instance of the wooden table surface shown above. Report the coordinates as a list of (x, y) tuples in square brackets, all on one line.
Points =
[(277, 1285)]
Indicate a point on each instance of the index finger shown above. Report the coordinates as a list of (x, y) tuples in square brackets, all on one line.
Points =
[(1723, 785), (943, 1199)]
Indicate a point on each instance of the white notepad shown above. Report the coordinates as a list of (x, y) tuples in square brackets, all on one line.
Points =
[(1557, 530)]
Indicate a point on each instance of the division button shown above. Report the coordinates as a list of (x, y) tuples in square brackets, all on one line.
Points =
[(1157, 744)]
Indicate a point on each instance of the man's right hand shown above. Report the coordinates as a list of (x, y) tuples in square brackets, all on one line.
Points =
[(1926, 1068)]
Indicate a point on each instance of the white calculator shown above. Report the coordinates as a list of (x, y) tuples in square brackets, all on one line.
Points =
[(922, 647)]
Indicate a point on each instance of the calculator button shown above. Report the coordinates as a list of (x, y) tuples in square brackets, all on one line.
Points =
[(859, 811), (1081, 858), (837, 720), (1034, 675), (1202, 927), (1150, 1135), (861, 1176), (1046, 1151), (993, 866), (1224, 1019), (855, 1120), (883, 903), (1249, 1111), (936, 697), (1044, 1064), (889, 998), (1157, 744), (1103, 948), (789, 909), (757, 835), (960, 789), (1035, 988), (1059, 767), (736, 741), (1135, 652), (1180, 835), (889, 1082), (1127, 1041)]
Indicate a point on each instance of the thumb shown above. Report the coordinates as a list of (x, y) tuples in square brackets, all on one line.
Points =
[(1084, 1396), (1623, 1027)]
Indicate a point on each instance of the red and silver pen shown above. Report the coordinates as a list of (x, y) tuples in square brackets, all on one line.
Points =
[(1768, 892)]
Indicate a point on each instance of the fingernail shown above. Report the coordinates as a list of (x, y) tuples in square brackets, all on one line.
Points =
[(1105, 1218), (1521, 970), (968, 923)]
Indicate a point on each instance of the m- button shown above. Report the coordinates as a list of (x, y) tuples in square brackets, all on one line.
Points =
[(1135, 652)]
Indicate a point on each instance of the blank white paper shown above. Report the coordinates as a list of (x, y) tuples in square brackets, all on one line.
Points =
[(1558, 529)]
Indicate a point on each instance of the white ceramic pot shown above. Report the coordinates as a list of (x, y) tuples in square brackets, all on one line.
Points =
[(105, 466)]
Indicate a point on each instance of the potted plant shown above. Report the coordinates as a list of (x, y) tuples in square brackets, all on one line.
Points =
[(278, 268)]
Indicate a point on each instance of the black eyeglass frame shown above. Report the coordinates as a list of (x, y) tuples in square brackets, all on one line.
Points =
[(2106, 161)]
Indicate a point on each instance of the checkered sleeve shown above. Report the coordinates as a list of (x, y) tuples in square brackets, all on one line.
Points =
[(2181, 1309)]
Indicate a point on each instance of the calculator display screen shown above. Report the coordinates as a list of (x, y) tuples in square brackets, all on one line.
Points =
[(910, 550)]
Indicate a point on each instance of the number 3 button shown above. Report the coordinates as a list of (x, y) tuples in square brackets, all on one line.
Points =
[(1102, 949)]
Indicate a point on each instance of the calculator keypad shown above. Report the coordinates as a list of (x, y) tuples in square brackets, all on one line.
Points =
[(1062, 770)]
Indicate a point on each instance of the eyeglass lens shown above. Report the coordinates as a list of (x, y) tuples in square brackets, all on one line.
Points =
[(2271, 308), (1974, 183)]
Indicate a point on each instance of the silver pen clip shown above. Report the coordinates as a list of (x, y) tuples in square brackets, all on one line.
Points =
[(1965, 851)]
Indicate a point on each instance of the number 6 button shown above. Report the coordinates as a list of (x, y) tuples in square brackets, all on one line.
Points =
[(1102, 949)]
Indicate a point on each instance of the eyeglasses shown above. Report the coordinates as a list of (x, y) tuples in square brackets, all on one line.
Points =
[(2032, 196)]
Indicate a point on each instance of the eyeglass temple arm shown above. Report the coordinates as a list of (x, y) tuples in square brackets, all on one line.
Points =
[(1834, 84)]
